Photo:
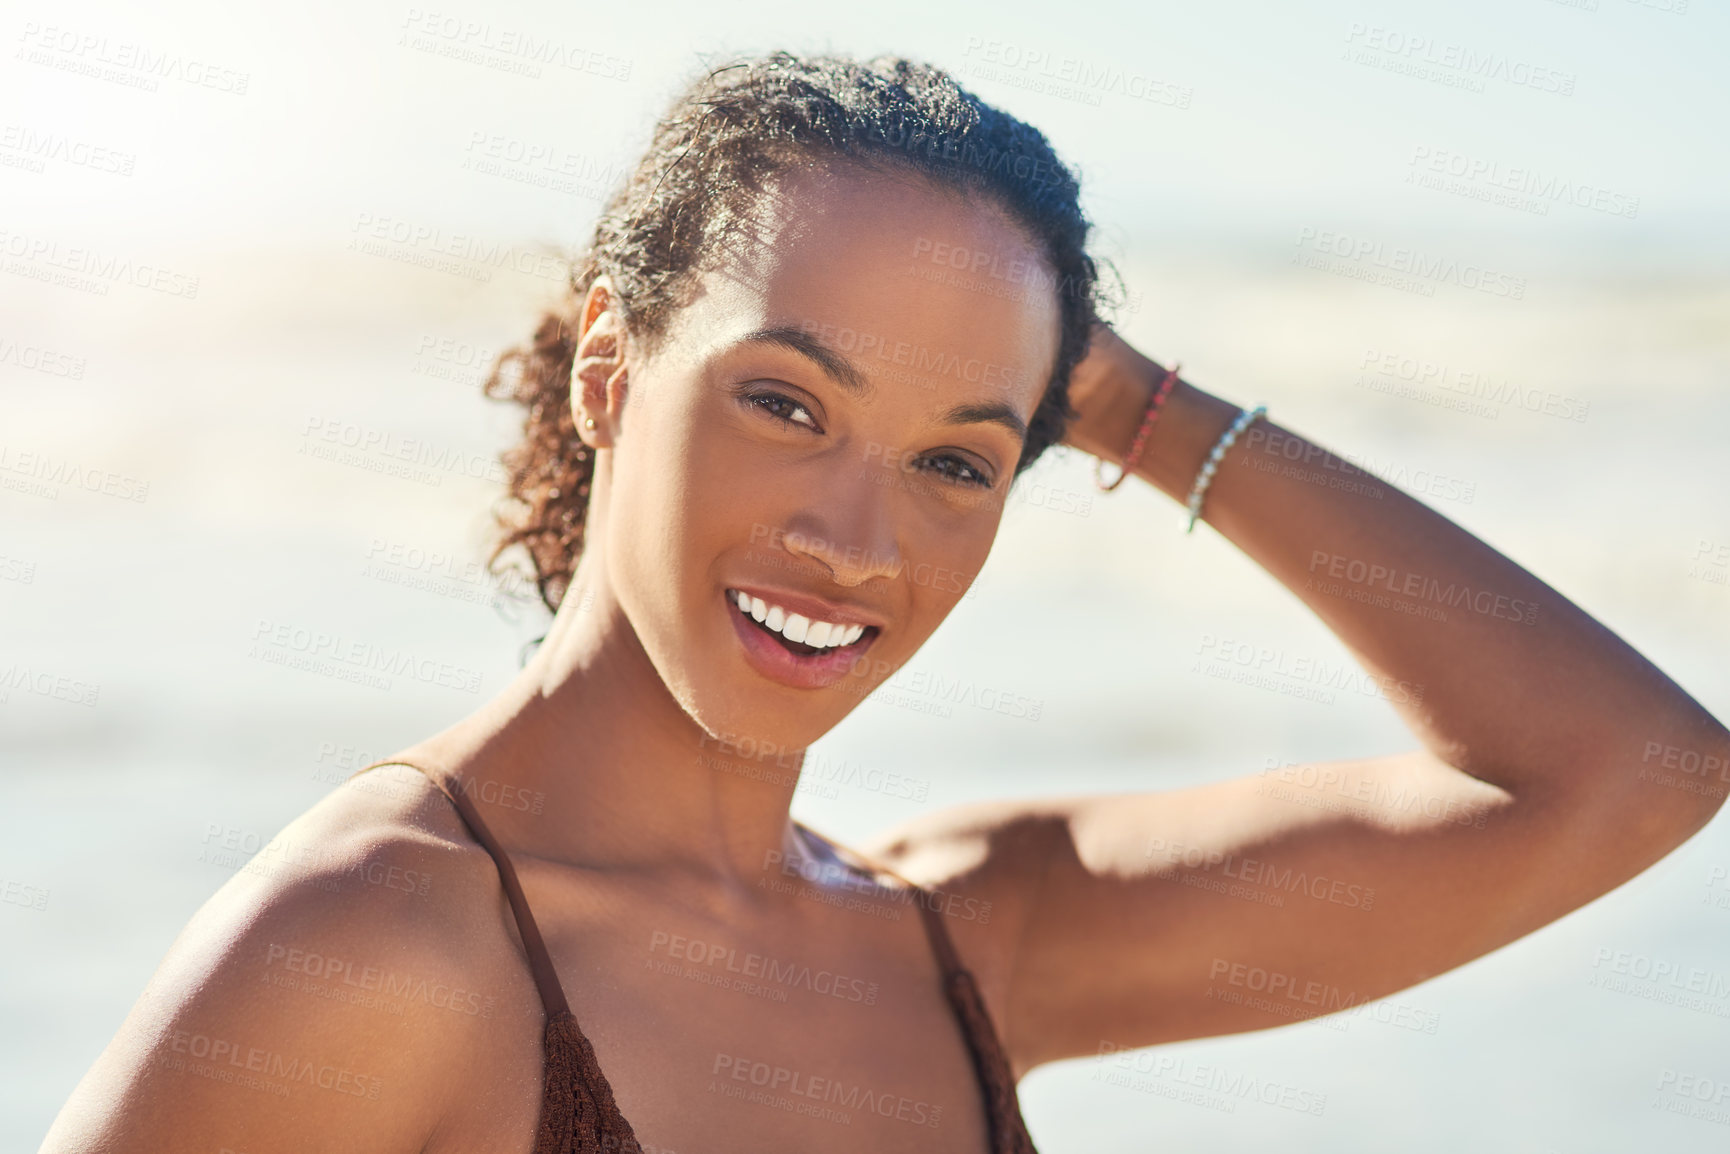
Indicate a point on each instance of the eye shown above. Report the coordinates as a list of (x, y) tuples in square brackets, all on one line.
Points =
[(781, 408), (961, 472)]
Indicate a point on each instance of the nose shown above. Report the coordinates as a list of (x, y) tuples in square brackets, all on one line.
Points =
[(848, 564), (854, 538)]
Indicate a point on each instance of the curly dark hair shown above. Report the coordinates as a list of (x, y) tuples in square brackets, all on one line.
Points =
[(709, 162)]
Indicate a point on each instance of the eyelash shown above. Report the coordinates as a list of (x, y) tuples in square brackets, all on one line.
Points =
[(755, 400)]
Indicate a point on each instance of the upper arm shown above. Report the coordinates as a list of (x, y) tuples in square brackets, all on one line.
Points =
[(1267, 899), (290, 1014)]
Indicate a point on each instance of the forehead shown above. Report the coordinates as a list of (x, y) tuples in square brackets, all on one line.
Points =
[(927, 291)]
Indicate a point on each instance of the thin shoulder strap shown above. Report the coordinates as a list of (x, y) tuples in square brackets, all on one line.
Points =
[(990, 1061), (947, 959), (578, 1111), (540, 962)]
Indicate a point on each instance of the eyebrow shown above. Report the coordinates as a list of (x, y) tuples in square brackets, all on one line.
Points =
[(846, 374)]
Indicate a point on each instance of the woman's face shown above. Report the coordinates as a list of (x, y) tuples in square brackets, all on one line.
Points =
[(830, 425)]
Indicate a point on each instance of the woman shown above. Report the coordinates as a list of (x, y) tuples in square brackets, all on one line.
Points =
[(831, 316)]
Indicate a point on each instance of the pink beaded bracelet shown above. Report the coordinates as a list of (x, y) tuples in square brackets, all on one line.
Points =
[(1135, 446)]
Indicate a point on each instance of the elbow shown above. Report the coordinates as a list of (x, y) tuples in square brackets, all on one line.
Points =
[(1679, 784), (1648, 786)]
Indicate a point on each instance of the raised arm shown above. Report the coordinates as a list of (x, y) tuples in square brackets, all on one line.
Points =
[(1555, 764), (1523, 689)]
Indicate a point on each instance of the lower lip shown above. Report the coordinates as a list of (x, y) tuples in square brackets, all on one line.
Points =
[(776, 662)]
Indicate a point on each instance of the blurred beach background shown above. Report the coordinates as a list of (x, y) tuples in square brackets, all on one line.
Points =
[(228, 232)]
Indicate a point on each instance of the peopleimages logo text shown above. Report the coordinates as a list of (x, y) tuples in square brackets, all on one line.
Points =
[(1412, 262)]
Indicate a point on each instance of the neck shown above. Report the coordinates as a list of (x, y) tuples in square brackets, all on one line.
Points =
[(587, 759)]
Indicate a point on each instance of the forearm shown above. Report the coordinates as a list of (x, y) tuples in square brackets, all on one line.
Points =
[(1520, 687)]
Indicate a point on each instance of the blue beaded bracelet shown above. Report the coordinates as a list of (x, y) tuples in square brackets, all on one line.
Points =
[(1205, 478)]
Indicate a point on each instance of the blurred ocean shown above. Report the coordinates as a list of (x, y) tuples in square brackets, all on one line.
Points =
[(165, 495)]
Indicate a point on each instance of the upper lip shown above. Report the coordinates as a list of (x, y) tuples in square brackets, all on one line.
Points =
[(815, 608)]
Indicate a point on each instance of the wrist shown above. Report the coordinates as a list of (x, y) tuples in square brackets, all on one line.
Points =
[(1110, 391), (1191, 424)]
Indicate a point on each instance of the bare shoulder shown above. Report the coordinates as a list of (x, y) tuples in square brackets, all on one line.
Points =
[(984, 864), (327, 996), (965, 841)]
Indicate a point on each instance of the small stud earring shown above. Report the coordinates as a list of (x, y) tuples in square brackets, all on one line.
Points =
[(588, 422)]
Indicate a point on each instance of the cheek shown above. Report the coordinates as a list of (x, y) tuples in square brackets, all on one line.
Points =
[(963, 557), (655, 515), (688, 495), (940, 563)]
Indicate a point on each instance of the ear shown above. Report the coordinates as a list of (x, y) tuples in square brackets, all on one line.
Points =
[(598, 375)]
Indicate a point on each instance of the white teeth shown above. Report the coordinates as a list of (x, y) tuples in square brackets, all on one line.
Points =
[(796, 627)]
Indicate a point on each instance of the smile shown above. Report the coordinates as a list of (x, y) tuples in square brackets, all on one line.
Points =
[(795, 649), (804, 632)]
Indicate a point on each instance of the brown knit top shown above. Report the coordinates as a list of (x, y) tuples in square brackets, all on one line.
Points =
[(578, 1114)]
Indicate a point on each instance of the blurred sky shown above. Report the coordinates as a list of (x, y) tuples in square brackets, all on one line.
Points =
[(343, 114)]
